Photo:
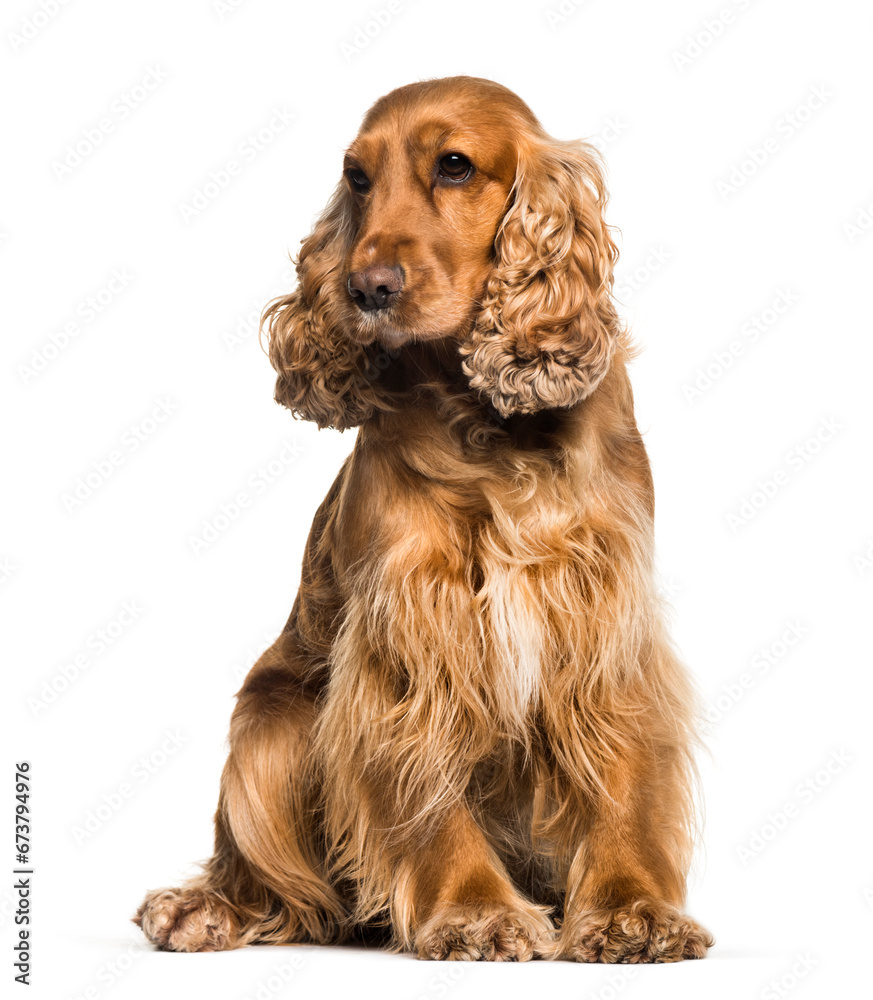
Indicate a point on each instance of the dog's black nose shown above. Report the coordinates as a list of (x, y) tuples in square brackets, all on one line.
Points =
[(375, 287)]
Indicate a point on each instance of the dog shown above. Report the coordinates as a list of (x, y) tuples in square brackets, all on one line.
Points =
[(473, 732)]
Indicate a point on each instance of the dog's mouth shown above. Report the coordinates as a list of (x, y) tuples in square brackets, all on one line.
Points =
[(399, 323), (383, 326)]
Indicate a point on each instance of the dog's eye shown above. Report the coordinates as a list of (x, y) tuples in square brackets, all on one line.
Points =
[(358, 179), (455, 167)]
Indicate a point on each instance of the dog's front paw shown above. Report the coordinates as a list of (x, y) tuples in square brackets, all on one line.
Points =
[(645, 931), (491, 933), (187, 920)]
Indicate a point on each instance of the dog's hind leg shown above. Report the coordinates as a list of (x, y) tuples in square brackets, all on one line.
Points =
[(263, 883)]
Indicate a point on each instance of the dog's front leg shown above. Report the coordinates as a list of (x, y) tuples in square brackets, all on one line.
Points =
[(626, 883), (397, 759), (459, 903)]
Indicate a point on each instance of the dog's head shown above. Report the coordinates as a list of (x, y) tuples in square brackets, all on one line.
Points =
[(456, 218)]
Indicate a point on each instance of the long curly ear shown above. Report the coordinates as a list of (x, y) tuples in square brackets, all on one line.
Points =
[(547, 328), (322, 374)]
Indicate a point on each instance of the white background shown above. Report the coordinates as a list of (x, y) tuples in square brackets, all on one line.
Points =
[(700, 262)]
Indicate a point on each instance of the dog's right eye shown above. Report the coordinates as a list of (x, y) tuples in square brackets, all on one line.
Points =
[(358, 179), (455, 167)]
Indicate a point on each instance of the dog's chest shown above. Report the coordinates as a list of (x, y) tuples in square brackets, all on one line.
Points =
[(530, 573), (513, 629), (472, 571)]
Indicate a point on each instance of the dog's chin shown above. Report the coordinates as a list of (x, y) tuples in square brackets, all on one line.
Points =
[(393, 337), (388, 331)]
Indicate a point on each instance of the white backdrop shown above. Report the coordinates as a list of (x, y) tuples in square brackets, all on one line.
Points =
[(161, 161)]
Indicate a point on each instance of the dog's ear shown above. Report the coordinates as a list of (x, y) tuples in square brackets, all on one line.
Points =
[(548, 327), (322, 374)]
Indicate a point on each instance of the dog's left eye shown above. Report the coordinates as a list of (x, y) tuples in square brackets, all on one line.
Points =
[(455, 167), (359, 180)]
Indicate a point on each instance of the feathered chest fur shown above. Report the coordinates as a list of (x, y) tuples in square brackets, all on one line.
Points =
[(478, 575)]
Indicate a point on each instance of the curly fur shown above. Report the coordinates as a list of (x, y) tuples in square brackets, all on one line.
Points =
[(548, 328), (322, 375), (644, 932), (473, 733)]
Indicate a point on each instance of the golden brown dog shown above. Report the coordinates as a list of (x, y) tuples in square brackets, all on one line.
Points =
[(473, 723)]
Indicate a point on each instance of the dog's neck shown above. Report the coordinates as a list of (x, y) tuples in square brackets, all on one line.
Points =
[(431, 362), (429, 389)]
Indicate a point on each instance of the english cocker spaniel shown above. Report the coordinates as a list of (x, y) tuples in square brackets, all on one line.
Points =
[(473, 731)]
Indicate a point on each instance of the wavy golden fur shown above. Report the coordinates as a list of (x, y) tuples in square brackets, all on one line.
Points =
[(473, 727)]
